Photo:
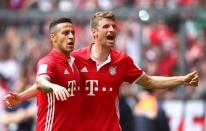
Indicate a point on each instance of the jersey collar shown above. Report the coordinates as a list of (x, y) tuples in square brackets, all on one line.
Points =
[(88, 54)]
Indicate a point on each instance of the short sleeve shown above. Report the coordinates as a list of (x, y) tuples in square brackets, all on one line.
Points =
[(132, 72), (44, 67)]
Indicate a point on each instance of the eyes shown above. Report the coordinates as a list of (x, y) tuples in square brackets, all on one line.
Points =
[(106, 26), (67, 32)]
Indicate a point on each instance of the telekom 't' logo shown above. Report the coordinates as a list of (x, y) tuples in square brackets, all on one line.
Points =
[(72, 87), (91, 85)]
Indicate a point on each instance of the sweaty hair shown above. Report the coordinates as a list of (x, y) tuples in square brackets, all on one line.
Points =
[(59, 21), (99, 16)]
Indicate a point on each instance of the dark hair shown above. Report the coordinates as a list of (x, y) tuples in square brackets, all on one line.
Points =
[(59, 21)]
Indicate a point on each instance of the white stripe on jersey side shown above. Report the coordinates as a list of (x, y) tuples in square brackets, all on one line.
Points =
[(50, 111), (117, 110), (53, 108)]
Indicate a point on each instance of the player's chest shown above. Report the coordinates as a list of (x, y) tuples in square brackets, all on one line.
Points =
[(64, 71), (106, 74)]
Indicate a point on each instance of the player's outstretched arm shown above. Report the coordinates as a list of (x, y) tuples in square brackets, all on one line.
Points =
[(46, 86), (13, 99), (161, 82)]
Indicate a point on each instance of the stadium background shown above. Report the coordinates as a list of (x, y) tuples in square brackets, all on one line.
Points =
[(164, 37)]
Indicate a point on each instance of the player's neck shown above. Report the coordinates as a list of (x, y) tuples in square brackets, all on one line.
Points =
[(100, 53), (62, 52)]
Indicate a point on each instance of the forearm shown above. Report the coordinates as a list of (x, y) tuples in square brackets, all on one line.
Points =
[(29, 93), (43, 84), (160, 82)]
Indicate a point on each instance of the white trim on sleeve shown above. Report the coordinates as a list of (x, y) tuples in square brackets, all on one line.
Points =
[(135, 81)]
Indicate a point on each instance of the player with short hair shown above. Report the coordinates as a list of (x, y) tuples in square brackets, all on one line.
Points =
[(103, 69), (58, 76)]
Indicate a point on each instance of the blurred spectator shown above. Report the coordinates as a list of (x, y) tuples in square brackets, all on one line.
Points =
[(66, 5), (20, 118), (9, 67), (150, 115), (2, 94), (4, 4), (144, 3), (106, 4), (16, 4), (201, 90), (127, 102), (129, 39), (46, 5)]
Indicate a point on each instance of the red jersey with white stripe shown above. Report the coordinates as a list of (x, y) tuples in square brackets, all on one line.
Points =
[(100, 105), (53, 114)]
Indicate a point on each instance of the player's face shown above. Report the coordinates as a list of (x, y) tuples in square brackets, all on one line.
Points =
[(105, 33), (64, 38)]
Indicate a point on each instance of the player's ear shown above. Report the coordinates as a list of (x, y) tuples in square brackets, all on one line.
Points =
[(52, 36), (94, 32)]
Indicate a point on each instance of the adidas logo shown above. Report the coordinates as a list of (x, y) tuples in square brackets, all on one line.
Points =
[(66, 72), (84, 69)]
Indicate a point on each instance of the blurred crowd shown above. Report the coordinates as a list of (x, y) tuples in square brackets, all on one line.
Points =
[(66, 5), (165, 46)]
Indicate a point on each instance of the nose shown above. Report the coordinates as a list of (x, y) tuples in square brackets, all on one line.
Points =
[(70, 35), (111, 28)]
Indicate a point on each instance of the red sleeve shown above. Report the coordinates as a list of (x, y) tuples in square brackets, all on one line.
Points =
[(132, 72), (44, 67)]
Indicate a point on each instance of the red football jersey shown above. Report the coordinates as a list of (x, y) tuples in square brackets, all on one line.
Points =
[(100, 105), (53, 114)]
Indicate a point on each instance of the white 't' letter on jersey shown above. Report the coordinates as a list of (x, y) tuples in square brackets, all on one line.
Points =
[(72, 85), (91, 87)]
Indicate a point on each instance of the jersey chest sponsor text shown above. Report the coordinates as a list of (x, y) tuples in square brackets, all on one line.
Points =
[(72, 87), (92, 86)]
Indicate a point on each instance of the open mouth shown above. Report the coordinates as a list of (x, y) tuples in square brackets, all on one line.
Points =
[(109, 37), (70, 43)]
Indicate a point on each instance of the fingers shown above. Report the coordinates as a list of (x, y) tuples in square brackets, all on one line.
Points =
[(13, 94), (12, 99), (193, 83), (193, 73), (190, 76), (8, 100), (192, 80), (61, 94), (56, 95), (195, 78)]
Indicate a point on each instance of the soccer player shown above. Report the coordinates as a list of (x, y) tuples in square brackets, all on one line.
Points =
[(58, 78), (103, 69)]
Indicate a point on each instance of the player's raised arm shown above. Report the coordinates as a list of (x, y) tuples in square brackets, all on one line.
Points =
[(161, 82)]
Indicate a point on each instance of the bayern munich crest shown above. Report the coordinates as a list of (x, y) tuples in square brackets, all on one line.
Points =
[(112, 70)]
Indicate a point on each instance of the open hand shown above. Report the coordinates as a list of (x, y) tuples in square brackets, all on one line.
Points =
[(12, 99), (60, 92)]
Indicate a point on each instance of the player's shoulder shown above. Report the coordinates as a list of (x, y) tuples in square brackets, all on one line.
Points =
[(47, 59), (79, 52), (119, 55)]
